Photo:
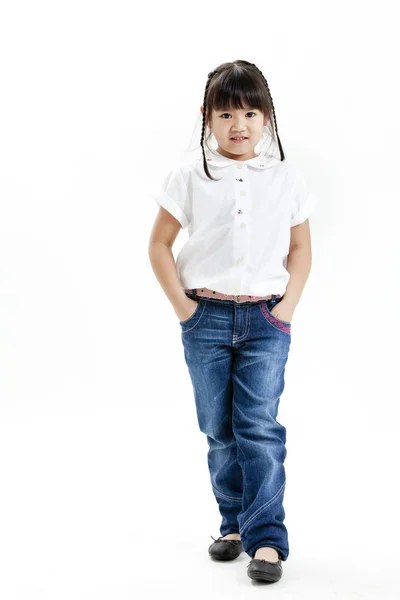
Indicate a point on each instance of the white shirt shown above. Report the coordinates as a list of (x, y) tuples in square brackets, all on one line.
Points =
[(239, 227)]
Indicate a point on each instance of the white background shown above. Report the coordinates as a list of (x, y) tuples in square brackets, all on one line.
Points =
[(104, 483)]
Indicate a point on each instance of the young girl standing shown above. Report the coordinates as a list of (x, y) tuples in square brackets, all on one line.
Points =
[(234, 288)]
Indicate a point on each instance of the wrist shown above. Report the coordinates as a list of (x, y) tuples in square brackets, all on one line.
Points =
[(181, 302), (289, 301)]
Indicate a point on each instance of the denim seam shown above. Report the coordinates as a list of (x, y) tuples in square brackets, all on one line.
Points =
[(218, 493), (253, 516)]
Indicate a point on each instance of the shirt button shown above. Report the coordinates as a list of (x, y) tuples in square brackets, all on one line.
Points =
[(242, 193), (240, 166), (239, 260), (242, 225)]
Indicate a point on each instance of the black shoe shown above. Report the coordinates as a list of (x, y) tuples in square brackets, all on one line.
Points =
[(225, 549), (264, 570)]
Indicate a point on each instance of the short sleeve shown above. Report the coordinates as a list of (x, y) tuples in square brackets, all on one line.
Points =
[(173, 196), (303, 201)]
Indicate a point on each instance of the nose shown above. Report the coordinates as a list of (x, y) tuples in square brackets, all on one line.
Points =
[(238, 127), (238, 130)]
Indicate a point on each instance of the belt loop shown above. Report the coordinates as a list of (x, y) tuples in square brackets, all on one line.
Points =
[(194, 293), (273, 296)]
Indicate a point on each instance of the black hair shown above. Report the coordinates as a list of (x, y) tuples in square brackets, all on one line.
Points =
[(236, 85)]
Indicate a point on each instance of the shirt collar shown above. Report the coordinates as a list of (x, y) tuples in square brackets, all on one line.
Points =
[(258, 162)]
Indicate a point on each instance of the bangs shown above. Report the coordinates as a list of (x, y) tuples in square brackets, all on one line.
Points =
[(236, 89)]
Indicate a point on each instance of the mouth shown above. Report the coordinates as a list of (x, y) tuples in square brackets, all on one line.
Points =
[(238, 139)]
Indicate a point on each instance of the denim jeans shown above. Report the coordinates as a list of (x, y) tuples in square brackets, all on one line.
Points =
[(236, 356)]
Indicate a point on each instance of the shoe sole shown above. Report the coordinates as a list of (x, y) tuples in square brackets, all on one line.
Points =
[(223, 559)]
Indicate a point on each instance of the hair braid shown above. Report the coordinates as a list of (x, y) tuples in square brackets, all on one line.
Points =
[(273, 110), (210, 76)]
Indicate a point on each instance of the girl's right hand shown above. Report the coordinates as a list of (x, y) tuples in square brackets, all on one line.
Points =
[(187, 310)]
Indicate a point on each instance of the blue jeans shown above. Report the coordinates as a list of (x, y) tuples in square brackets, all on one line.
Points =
[(236, 356)]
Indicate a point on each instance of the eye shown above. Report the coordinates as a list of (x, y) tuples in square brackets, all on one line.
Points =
[(250, 112)]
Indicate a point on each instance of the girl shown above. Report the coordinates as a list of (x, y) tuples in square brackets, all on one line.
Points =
[(234, 289)]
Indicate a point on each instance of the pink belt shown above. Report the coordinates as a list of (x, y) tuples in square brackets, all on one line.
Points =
[(220, 296)]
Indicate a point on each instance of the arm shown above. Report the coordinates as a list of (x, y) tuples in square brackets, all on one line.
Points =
[(299, 266), (163, 235)]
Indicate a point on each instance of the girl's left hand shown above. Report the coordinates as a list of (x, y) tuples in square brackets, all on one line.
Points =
[(284, 311)]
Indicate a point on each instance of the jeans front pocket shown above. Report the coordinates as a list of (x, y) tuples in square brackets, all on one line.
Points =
[(276, 322), (193, 314), (196, 316)]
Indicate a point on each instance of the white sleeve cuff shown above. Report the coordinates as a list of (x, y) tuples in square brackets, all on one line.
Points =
[(166, 202), (305, 211)]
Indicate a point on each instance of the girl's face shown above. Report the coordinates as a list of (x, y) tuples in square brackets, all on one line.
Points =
[(230, 123)]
